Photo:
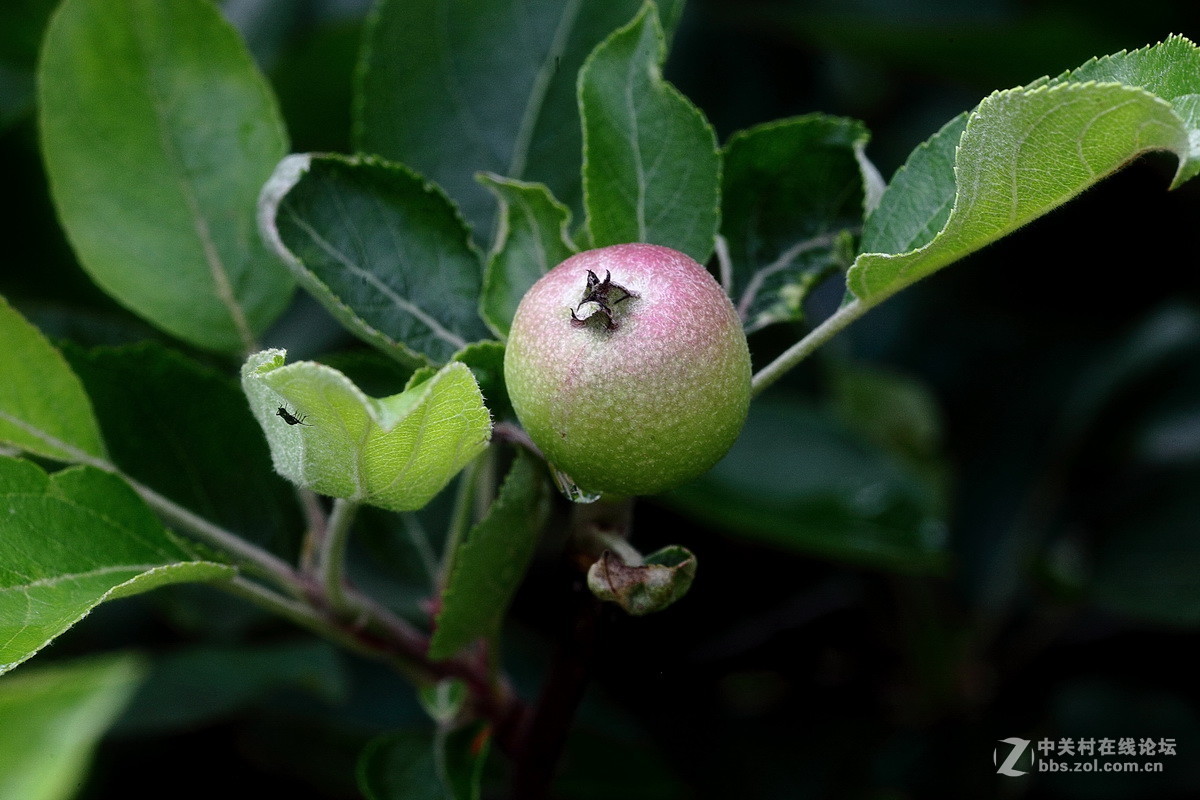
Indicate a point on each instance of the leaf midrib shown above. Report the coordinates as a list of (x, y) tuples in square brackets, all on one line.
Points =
[(541, 88), (216, 265)]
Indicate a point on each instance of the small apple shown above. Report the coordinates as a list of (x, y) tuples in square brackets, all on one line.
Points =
[(628, 367)]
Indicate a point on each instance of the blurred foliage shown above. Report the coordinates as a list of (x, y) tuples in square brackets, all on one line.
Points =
[(971, 517)]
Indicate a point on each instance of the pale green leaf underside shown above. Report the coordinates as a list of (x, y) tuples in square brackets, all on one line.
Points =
[(43, 407), (1020, 154), (533, 237), (158, 131), (491, 562), (651, 170), (58, 713), (71, 541), (394, 452)]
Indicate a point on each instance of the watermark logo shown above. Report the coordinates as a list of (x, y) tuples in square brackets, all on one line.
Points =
[(1016, 749), (1015, 757)]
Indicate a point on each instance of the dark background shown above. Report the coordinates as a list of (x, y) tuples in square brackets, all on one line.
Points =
[(1063, 366)]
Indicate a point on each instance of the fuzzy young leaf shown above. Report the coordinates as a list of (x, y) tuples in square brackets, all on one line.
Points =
[(157, 132), (43, 407), (383, 250), (491, 561), (790, 188), (1022, 153), (532, 239), (54, 717), (394, 452), (454, 88), (651, 168), (68, 542)]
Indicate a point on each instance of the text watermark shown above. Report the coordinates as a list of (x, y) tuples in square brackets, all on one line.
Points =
[(1015, 756)]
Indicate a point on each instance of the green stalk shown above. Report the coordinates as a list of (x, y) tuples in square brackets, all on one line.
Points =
[(331, 558), (806, 346)]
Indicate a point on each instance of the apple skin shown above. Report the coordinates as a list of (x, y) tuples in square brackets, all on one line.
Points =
[(645, 406)]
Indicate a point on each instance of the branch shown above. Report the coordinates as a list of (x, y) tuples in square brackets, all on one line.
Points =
[(542, 740)]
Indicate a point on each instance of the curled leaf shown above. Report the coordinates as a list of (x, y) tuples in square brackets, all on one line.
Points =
[(394, 452), (662, 578)]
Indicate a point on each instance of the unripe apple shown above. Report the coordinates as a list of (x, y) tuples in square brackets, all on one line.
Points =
[(628, 367)]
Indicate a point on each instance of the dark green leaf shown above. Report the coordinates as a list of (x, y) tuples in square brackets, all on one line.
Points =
[(70, 541), (919, 198), (651, 168), (198, 685), (532, 239), (790, 188), (455, 88), (491, 561), (896, 414), (157, 132), (486, 360), (424, 765), (53, 718), (1145, 567), (43, 407), (171, 422), (20, 36), (798, 480), (383, 250), (606, 760)]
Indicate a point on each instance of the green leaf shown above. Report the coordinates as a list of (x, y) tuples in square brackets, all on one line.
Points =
[(651, 168), (454, 88), (1143, 565), (20, 36), (157, 132), (43, 407), (394, 452), (532, 239), (424, 765), (897, 414), (195, 686), (790, 188), (1169, 70), (171, 421), (490, 562), (70, 541), (384, 251), (1022, 153), (486, 360), (798, 479), (54, 717)]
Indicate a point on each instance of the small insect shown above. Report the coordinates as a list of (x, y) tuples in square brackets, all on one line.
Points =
[(605, 294), (290, 419)]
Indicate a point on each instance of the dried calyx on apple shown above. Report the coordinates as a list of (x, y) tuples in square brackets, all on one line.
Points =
[(628, 367)]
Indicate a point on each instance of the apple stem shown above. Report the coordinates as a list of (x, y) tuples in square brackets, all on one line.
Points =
[(804, 348)]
